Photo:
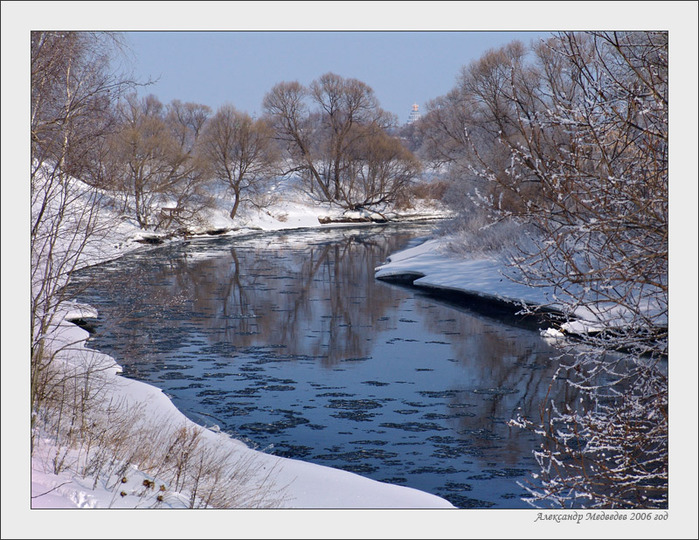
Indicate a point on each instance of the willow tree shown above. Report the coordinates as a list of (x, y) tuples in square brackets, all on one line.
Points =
[(327, 128), (156, 161), (242, 153)]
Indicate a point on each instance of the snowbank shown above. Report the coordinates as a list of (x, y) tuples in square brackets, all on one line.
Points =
[(480, 283), (481, 276), (485, 278)]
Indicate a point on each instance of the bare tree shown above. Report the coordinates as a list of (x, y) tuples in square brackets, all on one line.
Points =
[(156, 159), (326, 128), (190, 196), (600, 155), (286, 105), (380, 170), (241, 152), (73, 88), (597, 154)]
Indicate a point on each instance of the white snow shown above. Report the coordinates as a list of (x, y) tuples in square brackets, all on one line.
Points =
[(483, 275), (487, 276)]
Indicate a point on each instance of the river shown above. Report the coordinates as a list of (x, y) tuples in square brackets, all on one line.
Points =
[(288, 342)]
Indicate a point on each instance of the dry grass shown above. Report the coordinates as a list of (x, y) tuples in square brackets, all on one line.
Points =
[(105, 440)]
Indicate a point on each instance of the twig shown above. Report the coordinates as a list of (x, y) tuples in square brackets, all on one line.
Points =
[(50, 490)]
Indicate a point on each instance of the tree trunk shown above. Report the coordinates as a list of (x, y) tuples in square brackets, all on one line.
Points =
[(236, 203)]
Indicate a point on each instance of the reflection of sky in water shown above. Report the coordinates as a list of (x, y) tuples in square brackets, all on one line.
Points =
[(297, 349)]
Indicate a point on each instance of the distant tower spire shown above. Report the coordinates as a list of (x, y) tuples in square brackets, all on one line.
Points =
[(414, 114)]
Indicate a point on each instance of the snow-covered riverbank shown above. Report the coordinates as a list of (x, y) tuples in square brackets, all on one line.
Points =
[(488, 282)]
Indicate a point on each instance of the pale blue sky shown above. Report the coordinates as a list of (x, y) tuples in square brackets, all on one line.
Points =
[(240, 67)]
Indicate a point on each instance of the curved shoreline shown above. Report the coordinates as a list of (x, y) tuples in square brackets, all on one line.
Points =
[(515, 313), (306, 485)]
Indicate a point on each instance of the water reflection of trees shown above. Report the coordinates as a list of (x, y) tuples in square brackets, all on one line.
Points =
[(506, 371), (315, 299)]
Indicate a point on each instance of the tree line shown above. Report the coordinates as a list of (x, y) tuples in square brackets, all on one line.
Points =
[(163, 159)]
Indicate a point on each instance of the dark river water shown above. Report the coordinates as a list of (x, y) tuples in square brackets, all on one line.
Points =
[(288, 342)]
